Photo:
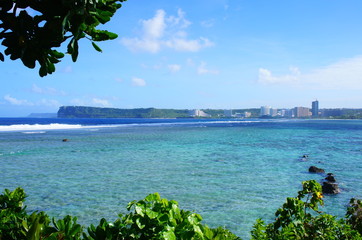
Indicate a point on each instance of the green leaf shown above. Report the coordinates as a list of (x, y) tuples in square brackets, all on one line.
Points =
[(169, 235), (50, 67), (2, 57), (43, 71), (139, 224), (75, 51), (151, 214), (96, 47), (139, 210), (56, 54)]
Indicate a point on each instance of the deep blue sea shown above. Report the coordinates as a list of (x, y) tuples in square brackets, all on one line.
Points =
[(229, 171)]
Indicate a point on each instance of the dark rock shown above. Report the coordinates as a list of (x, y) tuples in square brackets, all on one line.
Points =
[(314, 169), (65, 140), (330, 188), (330, 174), (330, 178)]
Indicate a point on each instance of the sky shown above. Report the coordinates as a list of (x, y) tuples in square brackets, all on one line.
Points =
[(198, 54)]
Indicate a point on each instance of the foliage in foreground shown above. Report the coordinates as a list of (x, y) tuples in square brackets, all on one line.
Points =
[(299, 218), (157, 218), (31, 30), (150, 218)]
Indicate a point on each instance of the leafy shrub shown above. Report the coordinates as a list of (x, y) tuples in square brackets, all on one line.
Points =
[(354, 214), (299, 218), (157, 218), (150, 218)]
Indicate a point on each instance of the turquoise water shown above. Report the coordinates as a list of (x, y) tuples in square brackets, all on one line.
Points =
[(229, 172)]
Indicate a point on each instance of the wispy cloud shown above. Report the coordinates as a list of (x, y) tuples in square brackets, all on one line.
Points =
[(266, 76), (174, 68), (91, 101), (101, 102), (18, 102), (202, 69), (49, 103), (23, 102), (208, 23), (138, 82), (162, 31), (344, 74), (46, 90)]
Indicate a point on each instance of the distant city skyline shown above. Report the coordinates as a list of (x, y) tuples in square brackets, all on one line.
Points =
[(191, 55)]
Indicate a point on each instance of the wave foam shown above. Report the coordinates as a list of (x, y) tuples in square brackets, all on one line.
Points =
[(37, 127)]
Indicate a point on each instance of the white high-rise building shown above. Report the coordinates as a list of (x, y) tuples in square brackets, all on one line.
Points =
[(198, 113), (273, 112), (228, 113), (265, 111)]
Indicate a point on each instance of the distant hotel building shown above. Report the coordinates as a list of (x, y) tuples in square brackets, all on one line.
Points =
[(296, 112), (198, 113), (301, 112), (265, 111), (273, 112), (315, 108), (247, 114), (228, 113)]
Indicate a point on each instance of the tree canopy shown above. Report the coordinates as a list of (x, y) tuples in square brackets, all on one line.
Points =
[(32, 30)]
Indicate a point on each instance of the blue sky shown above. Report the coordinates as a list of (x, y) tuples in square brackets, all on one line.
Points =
[(220, 54)]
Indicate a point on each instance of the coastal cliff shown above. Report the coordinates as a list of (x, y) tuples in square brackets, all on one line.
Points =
[(97, 112)]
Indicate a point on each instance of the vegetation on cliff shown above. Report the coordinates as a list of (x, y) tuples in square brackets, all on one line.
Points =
[(157, 218), (98, 112)]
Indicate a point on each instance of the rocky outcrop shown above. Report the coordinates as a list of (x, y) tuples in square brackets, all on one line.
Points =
[(314, 169), (330, 188), (330, 178)]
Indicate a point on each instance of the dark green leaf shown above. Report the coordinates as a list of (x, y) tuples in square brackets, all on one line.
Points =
[(75, 51), (43, 71), (96, 47), (56, 54)]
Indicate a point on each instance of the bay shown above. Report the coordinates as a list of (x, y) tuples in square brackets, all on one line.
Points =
[(229, 171)]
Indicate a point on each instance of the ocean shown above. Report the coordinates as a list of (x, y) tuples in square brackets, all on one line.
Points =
[(231, 171)]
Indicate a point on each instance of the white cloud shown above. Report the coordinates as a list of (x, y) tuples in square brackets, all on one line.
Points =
[(186, 45), (344, 74), (139, 82), (180, 20), (18, 102), (174, 67), (46, 91), (94, 101), (101, 102), (202, 69), (154, 28), (266, 77), (36, 89), (49, 103), (208, 23), (165, 32)]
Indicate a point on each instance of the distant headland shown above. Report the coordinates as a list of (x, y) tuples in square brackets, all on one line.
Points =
[(99, 112)]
